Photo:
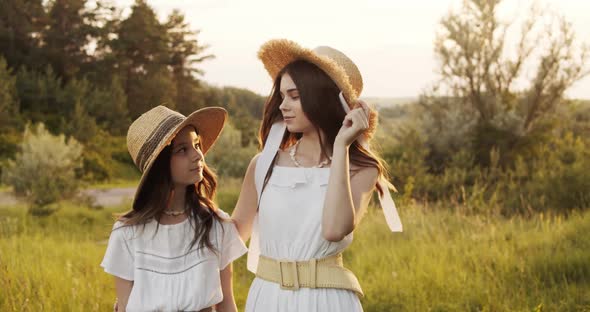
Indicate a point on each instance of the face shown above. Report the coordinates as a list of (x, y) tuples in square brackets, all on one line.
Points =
[(187, 160), (290, 107)]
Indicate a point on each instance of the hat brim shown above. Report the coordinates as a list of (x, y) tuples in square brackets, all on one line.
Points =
[(277, 54), (208, 122)]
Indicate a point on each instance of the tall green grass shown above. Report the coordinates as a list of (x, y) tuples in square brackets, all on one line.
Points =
[(444, 261)]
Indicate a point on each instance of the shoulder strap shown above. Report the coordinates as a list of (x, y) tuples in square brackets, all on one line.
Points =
[(271, 147)]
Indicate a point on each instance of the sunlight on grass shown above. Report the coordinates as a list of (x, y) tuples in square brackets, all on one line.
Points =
[(442, 262)]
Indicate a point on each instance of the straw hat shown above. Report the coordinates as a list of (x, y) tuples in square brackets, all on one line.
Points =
[(151, 132), (278, 53)]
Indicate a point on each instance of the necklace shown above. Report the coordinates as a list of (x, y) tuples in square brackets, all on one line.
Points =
[(293, 151), (174, 213)]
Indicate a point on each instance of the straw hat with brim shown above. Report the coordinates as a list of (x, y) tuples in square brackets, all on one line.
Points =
[(149, 134), (278, 53)]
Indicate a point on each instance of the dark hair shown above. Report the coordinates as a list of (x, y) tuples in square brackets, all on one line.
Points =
[(321, 105), (157, 191)]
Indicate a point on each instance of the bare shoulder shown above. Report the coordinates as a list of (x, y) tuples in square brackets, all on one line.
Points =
[(252, 165), (254, 159)]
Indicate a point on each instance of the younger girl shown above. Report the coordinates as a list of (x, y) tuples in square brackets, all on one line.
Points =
[(173, 250)]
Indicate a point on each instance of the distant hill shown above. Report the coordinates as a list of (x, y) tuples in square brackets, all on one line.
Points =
[(383, 102)]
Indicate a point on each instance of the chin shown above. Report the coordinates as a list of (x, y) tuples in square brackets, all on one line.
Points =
[(294, 129), (196, 179)]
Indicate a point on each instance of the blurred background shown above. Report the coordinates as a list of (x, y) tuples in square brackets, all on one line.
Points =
[(484, 111)]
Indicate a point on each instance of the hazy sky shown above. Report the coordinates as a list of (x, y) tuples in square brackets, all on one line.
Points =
[(390, 41)]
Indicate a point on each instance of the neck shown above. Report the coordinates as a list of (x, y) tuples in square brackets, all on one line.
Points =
[(178, 201), (310, 147)]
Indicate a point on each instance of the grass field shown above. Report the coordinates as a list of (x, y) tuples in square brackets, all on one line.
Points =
[(442, 262)]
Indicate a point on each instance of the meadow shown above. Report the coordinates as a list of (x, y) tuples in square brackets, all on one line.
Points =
[(443, 261)]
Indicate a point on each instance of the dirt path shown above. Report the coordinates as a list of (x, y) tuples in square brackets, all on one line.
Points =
[(103, 197)]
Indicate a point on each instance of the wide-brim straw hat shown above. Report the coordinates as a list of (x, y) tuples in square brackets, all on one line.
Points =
[(151, 132), (278, 53)]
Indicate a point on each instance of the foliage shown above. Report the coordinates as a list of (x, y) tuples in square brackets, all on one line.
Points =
[(44, 170)]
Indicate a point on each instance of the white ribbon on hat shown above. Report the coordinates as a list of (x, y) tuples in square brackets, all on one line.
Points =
[(271, 147)]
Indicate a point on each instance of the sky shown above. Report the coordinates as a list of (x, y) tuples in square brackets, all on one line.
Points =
[(391, 41)]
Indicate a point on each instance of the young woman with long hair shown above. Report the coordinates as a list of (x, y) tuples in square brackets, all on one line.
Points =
[(303, 196)]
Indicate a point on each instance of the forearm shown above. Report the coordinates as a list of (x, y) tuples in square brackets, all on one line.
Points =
[(123, 289), (247, 205), (228, 304), (338, 218)]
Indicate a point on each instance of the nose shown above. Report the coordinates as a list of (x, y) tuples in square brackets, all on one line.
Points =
[(283, 106), (197, 154)]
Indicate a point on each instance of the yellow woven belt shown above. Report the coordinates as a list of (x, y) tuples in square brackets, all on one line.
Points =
[(327, 272)]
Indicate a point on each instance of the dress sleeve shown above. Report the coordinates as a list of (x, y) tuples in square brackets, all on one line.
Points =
[(118, 259), (232, 246)]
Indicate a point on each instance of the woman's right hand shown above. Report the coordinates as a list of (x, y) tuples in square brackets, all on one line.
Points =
[(354, 124)]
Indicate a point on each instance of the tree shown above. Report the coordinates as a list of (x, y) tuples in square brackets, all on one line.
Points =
[(108, 105), (10, 119), (476, 66), (38, 93), (245, 107), (21, 23), (9, 103), (72, 25), (140, 50), (44, 170), (185, 53), (479, 71)]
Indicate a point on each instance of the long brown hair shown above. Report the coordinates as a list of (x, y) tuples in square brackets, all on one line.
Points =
[(321, 105), (156, 194)]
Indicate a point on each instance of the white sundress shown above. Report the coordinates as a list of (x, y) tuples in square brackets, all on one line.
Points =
[(289, 228), (166, 275)]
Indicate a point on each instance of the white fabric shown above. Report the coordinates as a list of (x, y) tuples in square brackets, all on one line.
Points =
[(271, 146), (289, 225), (273, 142), (167, 276)]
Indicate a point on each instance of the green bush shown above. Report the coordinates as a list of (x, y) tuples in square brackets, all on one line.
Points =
[(106, 158), (228, 157), (558, 180), (543, 171), (44, 170)]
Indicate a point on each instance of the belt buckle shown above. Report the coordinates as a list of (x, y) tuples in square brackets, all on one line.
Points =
[(293, 266)]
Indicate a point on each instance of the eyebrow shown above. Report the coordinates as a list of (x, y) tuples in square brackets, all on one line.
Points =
[(291, 90), (198, 139)]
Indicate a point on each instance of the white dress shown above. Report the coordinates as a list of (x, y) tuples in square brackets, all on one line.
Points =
[(166, 275), (289, 228)]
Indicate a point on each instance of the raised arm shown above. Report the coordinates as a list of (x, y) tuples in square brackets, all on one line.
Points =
[(247, 204), (347, 197)]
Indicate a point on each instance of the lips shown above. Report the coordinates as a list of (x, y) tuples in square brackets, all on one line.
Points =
[(199, 168), (288, 118)]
